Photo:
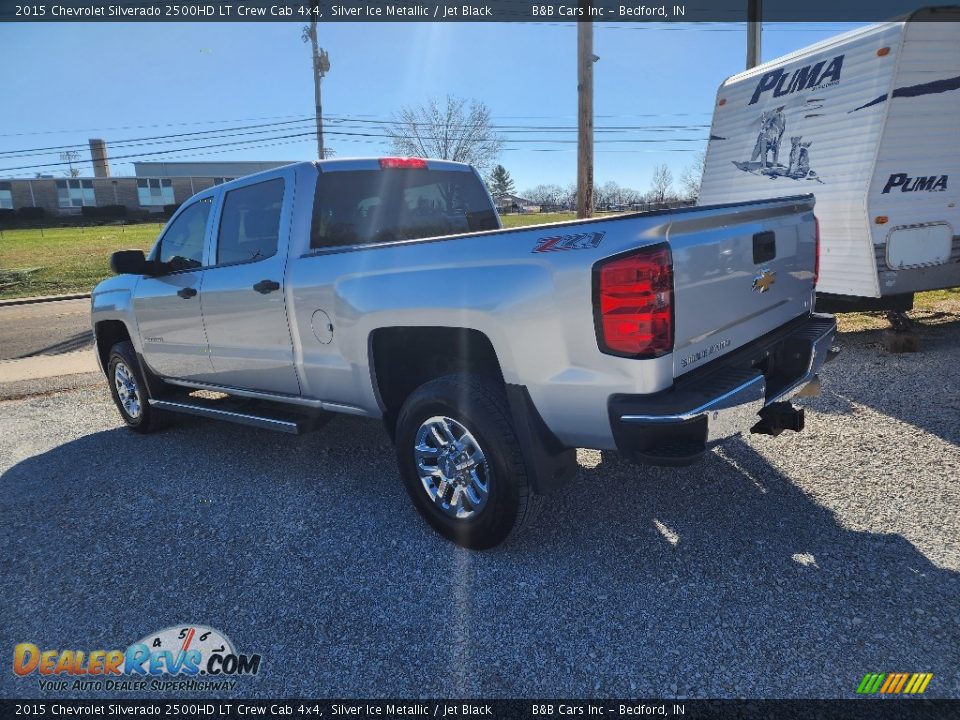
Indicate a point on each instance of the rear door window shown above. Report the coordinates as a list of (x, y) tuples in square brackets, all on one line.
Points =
[(250, 223), (374, 206)]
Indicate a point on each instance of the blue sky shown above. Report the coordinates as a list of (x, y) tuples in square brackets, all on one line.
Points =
[(64, 83)]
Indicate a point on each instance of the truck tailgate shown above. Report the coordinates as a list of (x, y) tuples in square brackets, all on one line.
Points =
[(740, 272)]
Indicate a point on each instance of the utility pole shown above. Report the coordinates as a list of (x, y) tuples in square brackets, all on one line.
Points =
[(585, 60), (754, 28), (321, 66)]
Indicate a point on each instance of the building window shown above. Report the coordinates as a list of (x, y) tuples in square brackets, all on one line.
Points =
[(75, 193), (221, 181), (155, 191), (6, 196)]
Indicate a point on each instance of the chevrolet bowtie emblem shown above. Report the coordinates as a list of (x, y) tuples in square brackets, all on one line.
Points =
[(764, 280)]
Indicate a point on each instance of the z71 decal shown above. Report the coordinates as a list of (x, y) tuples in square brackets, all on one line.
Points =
[(580, 241)]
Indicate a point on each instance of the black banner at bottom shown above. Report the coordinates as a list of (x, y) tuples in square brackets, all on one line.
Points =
[(865, 709)]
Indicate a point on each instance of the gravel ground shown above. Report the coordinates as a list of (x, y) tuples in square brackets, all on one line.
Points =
[(778, 567)]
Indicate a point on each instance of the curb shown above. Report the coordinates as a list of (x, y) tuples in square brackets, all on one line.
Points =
[(42, 299)]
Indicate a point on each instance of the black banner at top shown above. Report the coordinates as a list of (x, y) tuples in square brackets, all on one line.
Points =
[(609, 11)]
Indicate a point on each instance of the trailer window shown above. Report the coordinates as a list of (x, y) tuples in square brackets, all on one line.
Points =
[(375, 206)]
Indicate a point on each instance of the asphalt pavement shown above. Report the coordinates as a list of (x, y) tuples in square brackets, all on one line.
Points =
[(777, 567), (47, 328)]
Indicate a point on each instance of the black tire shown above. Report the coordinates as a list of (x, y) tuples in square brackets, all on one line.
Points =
[(480, 407), (147, 419)]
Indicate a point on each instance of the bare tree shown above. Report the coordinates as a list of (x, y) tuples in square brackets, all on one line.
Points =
[(661, 184), (447, 130), (692, 175), (632, 197), (549, 195), (70, 157)]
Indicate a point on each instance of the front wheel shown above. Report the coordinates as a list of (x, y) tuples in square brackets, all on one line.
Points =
[(461, 461), (129, 390)]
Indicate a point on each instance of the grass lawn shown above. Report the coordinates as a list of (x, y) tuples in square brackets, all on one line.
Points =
[(512, 221), (64, 260), (935, 307), (68, 260)]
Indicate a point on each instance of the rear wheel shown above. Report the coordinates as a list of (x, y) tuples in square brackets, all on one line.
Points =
[(129, 390), (461, 461)]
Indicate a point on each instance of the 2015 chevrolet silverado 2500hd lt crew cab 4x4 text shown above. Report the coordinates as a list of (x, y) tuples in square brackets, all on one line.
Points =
[(386, 288)]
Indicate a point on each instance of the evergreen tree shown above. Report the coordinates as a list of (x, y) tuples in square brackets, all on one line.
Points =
[(500, 182)]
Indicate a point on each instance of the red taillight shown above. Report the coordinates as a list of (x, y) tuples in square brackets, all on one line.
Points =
[(816, 260), (403, 162), (633, 298)]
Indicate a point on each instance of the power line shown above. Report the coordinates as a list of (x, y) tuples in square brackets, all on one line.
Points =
[(349, 128), (360, 119), (344, 123), (153, 138), (158, 152), (259, 142), (140, 127), (296, 119), (179, 153), (341, 133)]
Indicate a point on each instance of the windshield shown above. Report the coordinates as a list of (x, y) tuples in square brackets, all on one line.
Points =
[(374, 206)]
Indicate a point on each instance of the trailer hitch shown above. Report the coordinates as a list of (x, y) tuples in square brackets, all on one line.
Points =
[(777, 417)]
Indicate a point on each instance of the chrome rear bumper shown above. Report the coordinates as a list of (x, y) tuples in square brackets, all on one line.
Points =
[(726, 398)]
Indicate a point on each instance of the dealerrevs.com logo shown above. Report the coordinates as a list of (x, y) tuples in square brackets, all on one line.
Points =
[(184, 657)]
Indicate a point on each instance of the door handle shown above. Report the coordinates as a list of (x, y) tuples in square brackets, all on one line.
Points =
[(186, 293), (266, 286)]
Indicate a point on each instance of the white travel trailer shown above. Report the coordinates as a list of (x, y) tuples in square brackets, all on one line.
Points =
[(869, 122)]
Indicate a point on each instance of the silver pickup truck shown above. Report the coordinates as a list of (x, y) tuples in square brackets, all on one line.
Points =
[(386, 288)]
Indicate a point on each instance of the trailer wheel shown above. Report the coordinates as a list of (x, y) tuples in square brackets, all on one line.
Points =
[(461, 462)]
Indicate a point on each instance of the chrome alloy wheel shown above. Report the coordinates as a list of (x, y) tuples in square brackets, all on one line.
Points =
[(452, 467), (127, 390)]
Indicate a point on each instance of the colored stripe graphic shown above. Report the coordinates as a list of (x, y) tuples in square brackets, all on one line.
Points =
[(870, 683), (918, 683), (930, 88), (899, 686), (892, 679), (894, 683)]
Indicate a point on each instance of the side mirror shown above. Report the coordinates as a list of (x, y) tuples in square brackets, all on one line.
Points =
[(129, 262)]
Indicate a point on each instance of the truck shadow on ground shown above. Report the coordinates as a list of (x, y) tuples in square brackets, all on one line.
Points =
[(722, 579)]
